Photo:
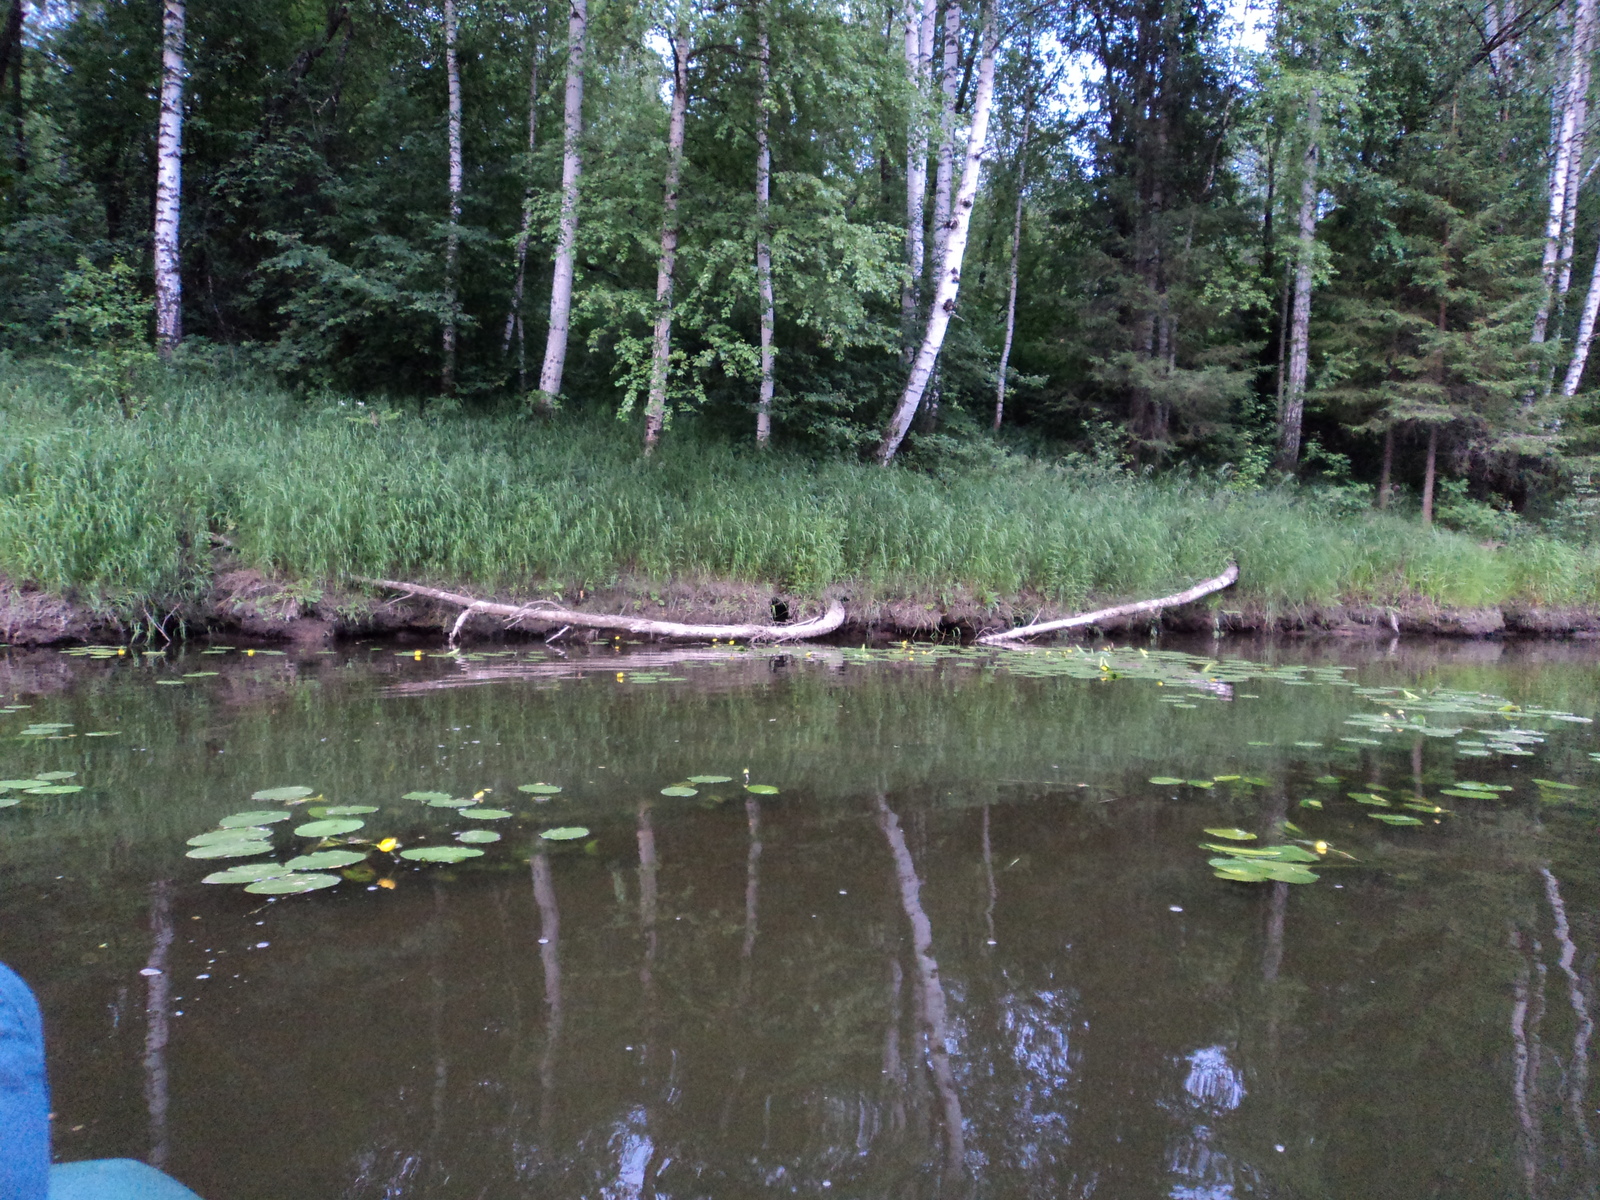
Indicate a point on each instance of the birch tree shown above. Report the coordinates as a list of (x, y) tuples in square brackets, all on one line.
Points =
[(514, 324), (555, 350), (452, 244), (1294, 396), (1016, 255), (763, 225), (919, 17), (949, 85), (1565, 172), (655, 410), (169, 181), (947, 285)]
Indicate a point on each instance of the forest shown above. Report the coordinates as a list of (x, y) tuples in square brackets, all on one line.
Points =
[(1341, 251)]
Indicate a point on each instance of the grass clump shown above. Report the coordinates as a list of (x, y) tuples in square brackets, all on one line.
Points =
[(121, 512)]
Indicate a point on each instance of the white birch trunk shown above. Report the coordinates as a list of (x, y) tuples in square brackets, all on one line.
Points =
[(763, 233), (944, 172), (1016, 254), (655, 410), (555, 349), (1294, 392), (1574, 87), (169, 181), (948, 283), (1585, 338), (919, 53), (514, 317), (1583, 48), (452, 244)]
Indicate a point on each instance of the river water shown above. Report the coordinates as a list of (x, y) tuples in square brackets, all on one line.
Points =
[(957, 943)]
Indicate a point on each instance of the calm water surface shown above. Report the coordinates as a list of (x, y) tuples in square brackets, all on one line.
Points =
[(967, 948)]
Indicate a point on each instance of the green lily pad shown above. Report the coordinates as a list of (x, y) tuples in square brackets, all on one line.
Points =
[(429, 796), (679, 791), (761, 789), (332, 828), (22, 785), (1233, 835), (263, 817), (1369, 798), (1254, 780), (478, 836), (1326, 779), (349, 810), (1469, 793), (1424, 806), (230, 850), (198, 674), (57, 776), (248, 873), (566, 833), (484, 814), (1308, 803), (1240, 851), (1201, 783), (711, 779), (281, 794), (1227, 778), (1256, 871), (1297, 854), (170, 683), (1395, 818), (56, 789), (1166, 781), (440, 853), (538, 789), (291, 885), (324, 860), (453, 802), (1544, 783), (10, 801), (242, 833)]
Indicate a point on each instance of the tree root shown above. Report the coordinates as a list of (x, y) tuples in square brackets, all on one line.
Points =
[(553, 614), (1205, 588)]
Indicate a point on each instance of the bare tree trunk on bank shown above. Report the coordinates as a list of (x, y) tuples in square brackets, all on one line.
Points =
[(555, 349), (1016, 253), (452, 244), (1429, 472), (169, 181), (763, 233), (655, 410), (1292, 416), (514, 317), (919, 53), (1388, 468), (1567, 136), (948, 284), (945, 169)]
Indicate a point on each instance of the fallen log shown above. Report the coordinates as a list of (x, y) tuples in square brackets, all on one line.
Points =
[(551, 613), (1188, 596)]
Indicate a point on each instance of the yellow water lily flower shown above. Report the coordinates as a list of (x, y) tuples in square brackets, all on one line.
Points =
[(387, 845)]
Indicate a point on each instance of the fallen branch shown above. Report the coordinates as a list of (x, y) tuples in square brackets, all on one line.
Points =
[(544, 610), (1205, 588)]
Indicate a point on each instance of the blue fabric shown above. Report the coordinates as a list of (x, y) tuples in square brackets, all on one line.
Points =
[(24, 1094), (114, 1179)]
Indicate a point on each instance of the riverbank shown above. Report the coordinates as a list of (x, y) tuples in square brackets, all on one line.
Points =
[(229, 505)]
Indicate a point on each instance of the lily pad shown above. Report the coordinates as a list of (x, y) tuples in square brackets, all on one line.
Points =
[(1166, 781), (427, 796), (22, 785), (1395, 818), (1201, 783), (263, 817), (1469, 793), (243, 833), (230, 850), (1369, 798), (332, 828), (453, 802), (55, 789), (291, 885), (10, 801), (679, 791), (1256, 871), (484, 814), (761, 789), (711, 779), (538, 789), (248, 873), (478, 836), (57, 776), (1233, 835), (440, 853), (1309, 803), (1544, 783), (324, 860), (349, 810), (281, 794), (1326, 779), (1227, 778), (566, 833)]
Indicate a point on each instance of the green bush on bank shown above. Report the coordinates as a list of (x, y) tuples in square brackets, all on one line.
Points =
[(122, 512)]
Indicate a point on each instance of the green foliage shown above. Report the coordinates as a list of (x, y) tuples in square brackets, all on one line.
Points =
[(105, 322)]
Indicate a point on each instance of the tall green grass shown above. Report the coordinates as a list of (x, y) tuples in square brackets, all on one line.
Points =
[(120, 512)]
